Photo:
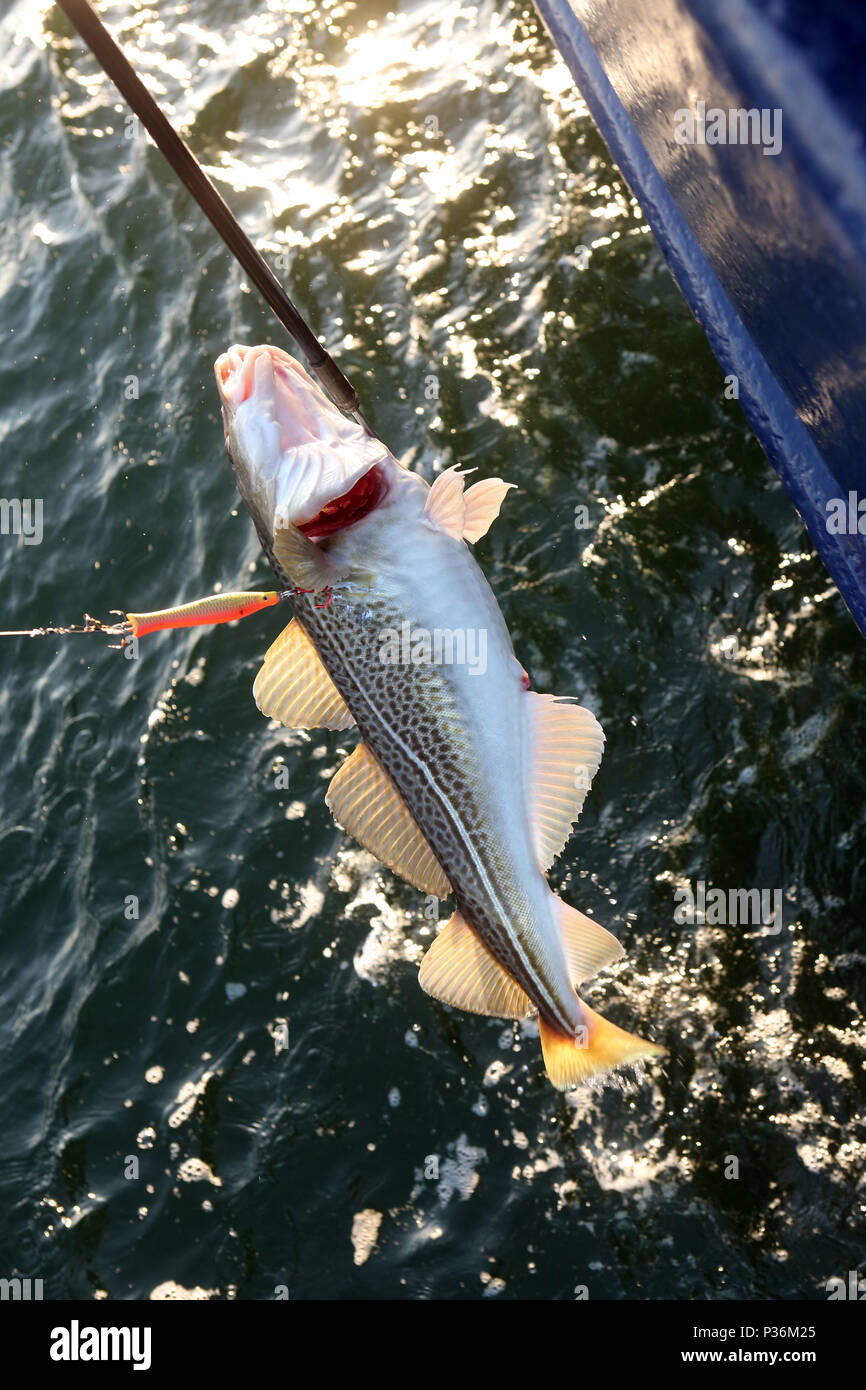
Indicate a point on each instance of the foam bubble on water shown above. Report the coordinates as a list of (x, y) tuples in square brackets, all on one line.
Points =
[(365, 1233), (312, 901), (639, 1172), (543, 1164), (196, 675), (154, 1075), (173, 1291), (387, 940), (350, 866), (45, 234), (230, 898), (157, 715), (458, 1174), (492, 1285), (196, 1170), (495, 1072), (303, 903), (804, 742), (186, 1099)]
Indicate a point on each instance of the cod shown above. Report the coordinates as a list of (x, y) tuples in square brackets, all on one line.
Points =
[(465, 782)]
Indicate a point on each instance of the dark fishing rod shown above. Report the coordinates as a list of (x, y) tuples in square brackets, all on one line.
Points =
[(194, 178)]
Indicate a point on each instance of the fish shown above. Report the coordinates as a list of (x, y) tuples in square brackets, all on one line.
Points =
[(465, 782)]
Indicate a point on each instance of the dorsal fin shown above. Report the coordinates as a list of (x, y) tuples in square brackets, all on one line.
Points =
[(464, 515), (564, 748), (459, 970), (483, 501), (445, 506), (294, 688), (365, 802)]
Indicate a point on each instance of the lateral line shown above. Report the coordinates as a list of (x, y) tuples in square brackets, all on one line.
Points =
[(528, 964)]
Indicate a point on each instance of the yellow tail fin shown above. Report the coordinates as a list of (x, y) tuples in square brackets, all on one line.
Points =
[(598, 1048)]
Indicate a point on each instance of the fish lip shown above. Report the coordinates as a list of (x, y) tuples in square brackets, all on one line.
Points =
[(235, 368)]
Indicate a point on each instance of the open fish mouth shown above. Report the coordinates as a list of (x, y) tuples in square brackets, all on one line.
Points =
[(298, 460)]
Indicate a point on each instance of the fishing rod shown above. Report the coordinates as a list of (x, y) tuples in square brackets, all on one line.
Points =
[(217, 608), (195, 180)]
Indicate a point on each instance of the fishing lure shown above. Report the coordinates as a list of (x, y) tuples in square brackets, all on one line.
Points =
[(217, 608)]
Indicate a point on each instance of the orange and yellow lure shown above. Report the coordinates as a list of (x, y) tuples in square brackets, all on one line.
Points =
[(218, 608)]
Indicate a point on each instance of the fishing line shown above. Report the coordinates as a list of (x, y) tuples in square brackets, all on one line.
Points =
[(196, 181), (89, 625)]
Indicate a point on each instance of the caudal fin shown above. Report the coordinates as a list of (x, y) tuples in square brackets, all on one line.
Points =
[(599, 1047)]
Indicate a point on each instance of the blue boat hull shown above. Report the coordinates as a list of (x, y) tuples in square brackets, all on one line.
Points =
[(769, 248)]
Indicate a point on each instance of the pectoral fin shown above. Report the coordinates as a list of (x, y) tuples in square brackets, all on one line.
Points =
[(302, 561), (365, 802), (294, 688), (459, 970)]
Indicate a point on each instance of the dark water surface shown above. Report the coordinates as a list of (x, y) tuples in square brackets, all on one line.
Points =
[(444, 209)]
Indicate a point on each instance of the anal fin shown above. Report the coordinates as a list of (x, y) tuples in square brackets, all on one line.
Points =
[(459, 970), (365, 802), (294, 688), (589, 947)]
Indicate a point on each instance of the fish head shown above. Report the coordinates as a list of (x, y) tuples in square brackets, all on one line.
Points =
[(299, 461)]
